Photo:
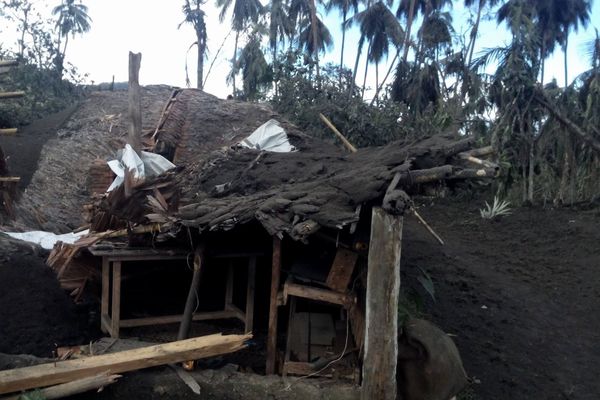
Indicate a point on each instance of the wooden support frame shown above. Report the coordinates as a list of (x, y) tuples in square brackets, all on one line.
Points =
[(381, 324), (272, 334), (110, 309)]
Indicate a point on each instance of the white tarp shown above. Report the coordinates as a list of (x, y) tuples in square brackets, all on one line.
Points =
[(149, 165), (47, 240), (270, 136)]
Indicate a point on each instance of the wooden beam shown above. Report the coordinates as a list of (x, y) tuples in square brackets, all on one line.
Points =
[(8, 131), (313, 293), (135, 103), (9, 179), (115, 316), (11, 95), (249, 323), (8, 63), (383, 289), (67, 371), (175, 319), (272, 334), (341, 271), (105, 299)]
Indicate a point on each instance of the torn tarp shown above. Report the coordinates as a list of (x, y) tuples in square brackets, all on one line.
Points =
[(149, 165), (270, 136), (47, 240)]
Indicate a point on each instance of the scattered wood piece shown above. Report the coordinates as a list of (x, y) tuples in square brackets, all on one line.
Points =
[(75, 387), (135, 103), (426, 225), (130, 360), (8, 131), (348, 145), (11, 95), (313, 293), (341, 271), (478, 161)]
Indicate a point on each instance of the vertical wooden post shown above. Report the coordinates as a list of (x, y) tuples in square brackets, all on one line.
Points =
[(250, 294), (105, 291), (383, 289), (272, 334), (229, 286), (188, 313), (135, 102), (116, 300)]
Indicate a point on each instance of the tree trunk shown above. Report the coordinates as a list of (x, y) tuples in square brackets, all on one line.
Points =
[(361, 42), (345, 12), (565, 48), (234, 67), (531, 171), (314, 33), (366, 70), (200, 66), (379, 87), (135, 103), (376, 76), (409, 22), (64, 50)]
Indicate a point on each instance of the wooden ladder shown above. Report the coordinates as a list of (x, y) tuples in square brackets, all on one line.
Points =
[(8, 184)]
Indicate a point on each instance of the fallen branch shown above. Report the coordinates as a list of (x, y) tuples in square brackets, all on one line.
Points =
[(426, 225)]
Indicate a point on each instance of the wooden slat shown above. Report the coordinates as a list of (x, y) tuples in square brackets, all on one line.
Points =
[(381, 325), (9, 179), (341, 271), (249, 323), (116, 299), (8, 131), (66, 371), (272, 333), (11, 95), (173, 319), (308, 292)]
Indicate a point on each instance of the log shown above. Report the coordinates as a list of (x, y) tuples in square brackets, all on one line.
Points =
[(11, 95), (8, 63), (478, 161), (481, 151), (272, 333), (186, 321), (75, 387), (473, 174), (419, 176), (383, 289), (135, 103), (8, 131), (67, 371), (348, 145)]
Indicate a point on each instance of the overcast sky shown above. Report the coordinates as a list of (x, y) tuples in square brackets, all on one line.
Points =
[(150, 27)]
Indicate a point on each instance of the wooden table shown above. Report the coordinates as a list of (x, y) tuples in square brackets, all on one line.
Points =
[(112, 259)]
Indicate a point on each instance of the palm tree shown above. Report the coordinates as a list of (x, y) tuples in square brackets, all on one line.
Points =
[(481, 4), (194, 15), (280, 24), (256, 72), (379, 27), (72, 19), (574, 13), (244, 11), (344, 6), (314, 36)]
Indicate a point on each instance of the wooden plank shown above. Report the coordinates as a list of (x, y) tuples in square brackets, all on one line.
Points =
[(69, 389), (8, 131), (229, 286), (174, 319), (116, 299), (383, 288), (9, 179), (130, 360), (341, 271), (135, 103), (250, 294), (105, 298), (272, 333), (11, 95), (313, 293)]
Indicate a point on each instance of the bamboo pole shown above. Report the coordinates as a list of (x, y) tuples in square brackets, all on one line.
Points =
[(348, 145), (11, 95), (135, 103)]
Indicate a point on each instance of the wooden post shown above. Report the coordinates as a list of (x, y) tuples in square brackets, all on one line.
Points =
[(383, 288), (116, 299), (188, 313), (272, 334), (250, 294), (105, 291), (135, 102)]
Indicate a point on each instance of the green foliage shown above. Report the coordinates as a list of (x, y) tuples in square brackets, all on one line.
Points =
[(498, 208)]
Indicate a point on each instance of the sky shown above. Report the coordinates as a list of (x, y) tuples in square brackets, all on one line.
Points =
[(151, 27)]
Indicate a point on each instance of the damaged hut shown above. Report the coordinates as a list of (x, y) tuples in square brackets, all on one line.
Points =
[(302, 243)]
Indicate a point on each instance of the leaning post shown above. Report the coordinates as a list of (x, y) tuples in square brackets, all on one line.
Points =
[(135, 103)]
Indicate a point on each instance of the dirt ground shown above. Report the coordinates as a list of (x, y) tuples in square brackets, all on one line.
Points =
[(521, 294)]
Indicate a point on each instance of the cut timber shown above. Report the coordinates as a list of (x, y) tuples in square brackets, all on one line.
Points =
[(8, 63), (272, 334), (383, 289), (9, 179), (130, 360), (8, 131), (11, 95), (313, 293), (75, 387), (341, 271), (135, 103)]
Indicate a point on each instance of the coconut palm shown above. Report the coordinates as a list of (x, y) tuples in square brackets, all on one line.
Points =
[(194, 15), (481, 4), (379, 27), (344, 6), (72, 18), (256, 72), (314, 36), (574, 13), (280, 24), (243, 12)]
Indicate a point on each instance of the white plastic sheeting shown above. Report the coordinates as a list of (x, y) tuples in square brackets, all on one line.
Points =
[(270, 136), (47, 240), (149, 165)]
